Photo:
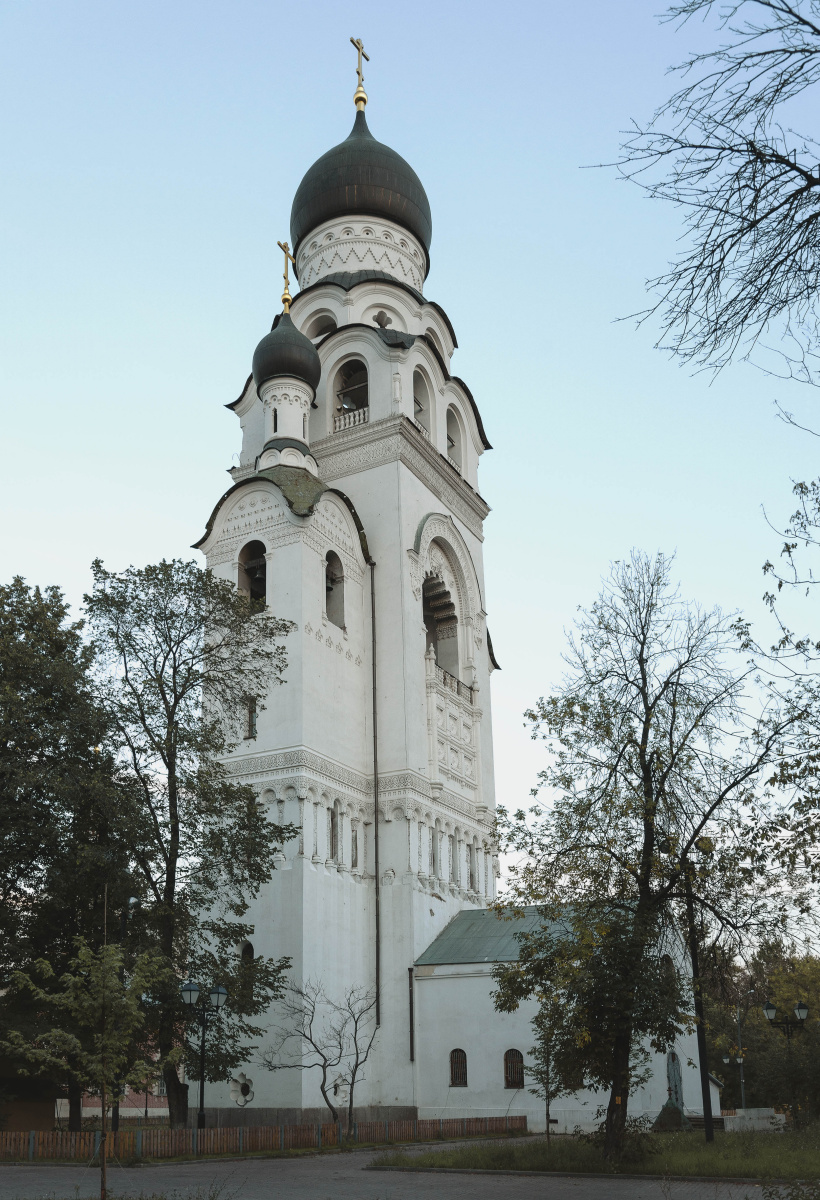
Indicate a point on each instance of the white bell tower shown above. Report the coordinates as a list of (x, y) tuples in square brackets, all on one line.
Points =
[(356, 513)]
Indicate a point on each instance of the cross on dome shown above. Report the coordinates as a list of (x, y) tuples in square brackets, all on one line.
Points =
[(360, 95)]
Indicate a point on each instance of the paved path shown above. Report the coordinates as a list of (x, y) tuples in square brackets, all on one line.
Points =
[(336, 1177)]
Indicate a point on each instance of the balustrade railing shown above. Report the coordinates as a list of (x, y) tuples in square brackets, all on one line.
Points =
[(454, 685), (346, 420)]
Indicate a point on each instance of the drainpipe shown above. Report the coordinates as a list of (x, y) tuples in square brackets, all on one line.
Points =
[(372, 566)]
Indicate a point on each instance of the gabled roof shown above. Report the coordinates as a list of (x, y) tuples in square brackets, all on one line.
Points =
[(479, 936)]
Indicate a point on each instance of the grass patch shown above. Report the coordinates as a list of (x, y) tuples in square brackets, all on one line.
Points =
[(747, 1155)]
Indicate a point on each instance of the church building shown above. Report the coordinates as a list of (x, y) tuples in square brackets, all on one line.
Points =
[(356, 513)]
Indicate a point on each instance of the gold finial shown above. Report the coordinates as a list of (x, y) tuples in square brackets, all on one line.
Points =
[(286, 296), (360, 95)]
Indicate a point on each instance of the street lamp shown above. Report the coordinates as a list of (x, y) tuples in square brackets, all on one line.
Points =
[(801, 1012), (217, 996), (738, 1058)]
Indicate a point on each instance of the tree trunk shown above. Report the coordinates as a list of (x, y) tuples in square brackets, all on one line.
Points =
[(177, 1094), (75, 1108), (705, 1087), (616, 1109)]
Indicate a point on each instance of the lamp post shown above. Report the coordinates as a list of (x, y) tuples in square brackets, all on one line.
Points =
[(217, 996), (124, 915), (727, 1058), (801, 1011)]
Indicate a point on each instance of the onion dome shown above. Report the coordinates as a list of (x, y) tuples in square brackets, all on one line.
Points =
[(364, 177), (286, 351)]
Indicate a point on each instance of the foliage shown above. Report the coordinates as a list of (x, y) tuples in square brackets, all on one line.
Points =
[(318, 1032), (639, 1142), (59, 855), (778, 1074), (96, 1014), (653, 773), (550, 1082), (749, 187), (180, 652), (54, 778)]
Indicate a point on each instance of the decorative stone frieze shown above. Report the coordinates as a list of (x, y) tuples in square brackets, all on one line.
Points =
[(361, 244)]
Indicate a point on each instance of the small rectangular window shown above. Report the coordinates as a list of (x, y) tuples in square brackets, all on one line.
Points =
[(251, 726)]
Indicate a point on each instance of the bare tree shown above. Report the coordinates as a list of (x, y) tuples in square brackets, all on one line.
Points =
[(749, 187), (333, 1037), (654, 783), (358, 1012)]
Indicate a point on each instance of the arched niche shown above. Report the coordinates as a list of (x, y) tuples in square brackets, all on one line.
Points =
[(440, 551), (455, 438), (320, 325), (441, 625), (334, 589), (253, 571), (422, 401)]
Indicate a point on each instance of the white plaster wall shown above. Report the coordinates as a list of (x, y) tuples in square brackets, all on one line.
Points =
[(444, 997)]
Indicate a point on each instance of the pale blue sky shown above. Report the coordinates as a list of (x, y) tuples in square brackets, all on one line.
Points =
[(150, 154)]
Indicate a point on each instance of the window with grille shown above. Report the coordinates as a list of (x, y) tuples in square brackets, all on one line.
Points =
[(458, 1068), (250, 731), (513, 1069)]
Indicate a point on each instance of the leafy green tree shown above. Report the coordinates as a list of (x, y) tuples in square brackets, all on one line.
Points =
[(552, 1078), (180, 653), (93, 1015), (50, 764), (58, 852), (652, 775)]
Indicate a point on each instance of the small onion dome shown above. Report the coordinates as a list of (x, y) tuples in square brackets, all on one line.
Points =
[(361, 176), (286, 351)]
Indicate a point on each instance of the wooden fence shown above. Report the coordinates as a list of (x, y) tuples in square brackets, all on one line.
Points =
[(131, 1144)]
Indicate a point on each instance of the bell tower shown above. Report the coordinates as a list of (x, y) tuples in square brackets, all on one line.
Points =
[(356, 512)]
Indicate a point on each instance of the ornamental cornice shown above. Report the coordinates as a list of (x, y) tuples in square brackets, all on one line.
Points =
[(395, 439), (403, 789)]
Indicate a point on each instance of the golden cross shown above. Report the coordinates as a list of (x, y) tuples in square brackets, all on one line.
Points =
[(286, 296), (360, 95)]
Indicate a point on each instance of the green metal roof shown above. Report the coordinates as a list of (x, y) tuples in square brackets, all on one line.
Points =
[(479, 936)]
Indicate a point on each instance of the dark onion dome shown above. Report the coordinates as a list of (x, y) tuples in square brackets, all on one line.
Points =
[(286, 351), (363, 177)]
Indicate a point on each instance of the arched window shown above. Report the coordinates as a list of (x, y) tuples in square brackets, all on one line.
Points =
[(334, 590), (454, 447), (513, 1069), (246, 973), (441, 623), (421, 402), (350, 395), (458, 1068), (472, 852), (334, 832), (251, 716), (320, 327), (253, 571)]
